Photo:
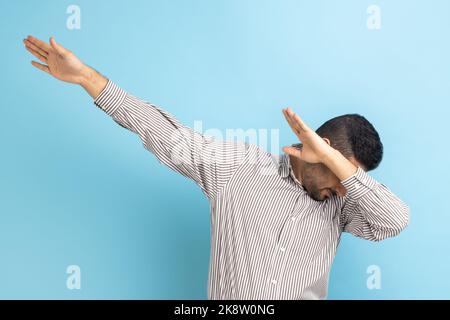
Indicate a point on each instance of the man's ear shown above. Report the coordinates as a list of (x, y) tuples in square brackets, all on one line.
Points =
[(327, 141)]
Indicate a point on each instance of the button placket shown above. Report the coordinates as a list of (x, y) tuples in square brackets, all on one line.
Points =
[(280, 256)]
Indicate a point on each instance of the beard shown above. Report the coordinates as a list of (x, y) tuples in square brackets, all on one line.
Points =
[(314, 193), (313, 173)]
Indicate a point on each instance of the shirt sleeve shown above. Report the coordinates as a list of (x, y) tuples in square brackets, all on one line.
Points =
[(208, 162), (371, 211)]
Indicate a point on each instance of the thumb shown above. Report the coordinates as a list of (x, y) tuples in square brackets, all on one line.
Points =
[(293, 151), (59, 48)]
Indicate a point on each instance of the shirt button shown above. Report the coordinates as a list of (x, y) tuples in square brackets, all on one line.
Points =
[(293, 219), (283, 249), (274, 281)]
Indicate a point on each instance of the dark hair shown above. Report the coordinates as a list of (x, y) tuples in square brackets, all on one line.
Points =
[(354, 136)]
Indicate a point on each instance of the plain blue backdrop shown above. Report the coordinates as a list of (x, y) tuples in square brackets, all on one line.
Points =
[(77, 189)]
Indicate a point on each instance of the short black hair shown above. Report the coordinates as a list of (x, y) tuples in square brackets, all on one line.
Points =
[(354, 136)]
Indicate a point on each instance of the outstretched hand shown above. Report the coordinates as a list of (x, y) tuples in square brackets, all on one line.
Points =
[(64, 65), (314, 148), (56, 60)]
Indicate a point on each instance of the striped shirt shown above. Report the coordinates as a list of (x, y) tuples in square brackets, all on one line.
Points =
[(269, 238)]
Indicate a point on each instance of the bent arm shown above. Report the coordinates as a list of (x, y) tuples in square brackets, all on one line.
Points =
[(371, 211)]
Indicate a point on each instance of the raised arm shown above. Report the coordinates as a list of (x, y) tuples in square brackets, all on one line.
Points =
[(208, 162)]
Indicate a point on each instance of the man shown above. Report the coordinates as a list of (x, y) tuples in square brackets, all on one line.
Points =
[(275, 221)]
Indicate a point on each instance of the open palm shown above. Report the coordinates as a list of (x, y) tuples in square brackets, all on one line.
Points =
[(56, 60), (314, 148)]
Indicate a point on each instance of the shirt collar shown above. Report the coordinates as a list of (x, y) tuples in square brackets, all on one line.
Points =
[(285, 168), (284, 165)]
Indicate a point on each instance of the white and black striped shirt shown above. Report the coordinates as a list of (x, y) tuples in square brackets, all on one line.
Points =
[(269, 239)]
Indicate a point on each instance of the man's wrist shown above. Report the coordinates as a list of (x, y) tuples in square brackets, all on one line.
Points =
[(330, 156), (339, 164), (86, 75), (92, 81)]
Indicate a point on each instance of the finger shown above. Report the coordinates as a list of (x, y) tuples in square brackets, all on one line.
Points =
[(29, 44), (297, 120), (41, 66), (291, 123), (293, 151), (291, 116), (290, 120), (37, 55), (59, 48), (41, 44), (300, 122)]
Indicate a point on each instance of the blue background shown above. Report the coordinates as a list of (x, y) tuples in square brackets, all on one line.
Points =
[(75, 188)]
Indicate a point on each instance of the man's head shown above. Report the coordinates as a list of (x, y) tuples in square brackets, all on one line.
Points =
[(354, 137)]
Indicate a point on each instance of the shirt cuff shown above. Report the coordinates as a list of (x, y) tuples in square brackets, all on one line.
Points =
[(358, 184), (111, 98)]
